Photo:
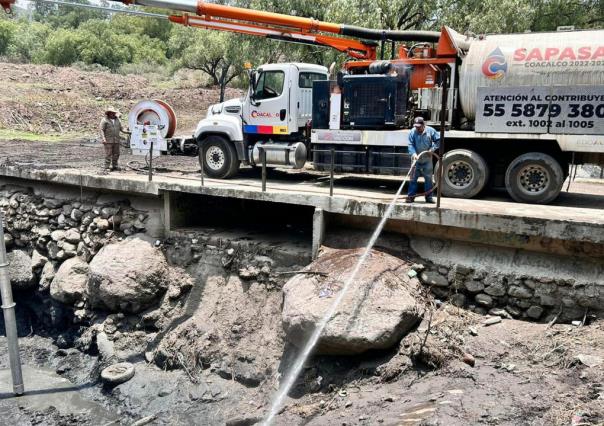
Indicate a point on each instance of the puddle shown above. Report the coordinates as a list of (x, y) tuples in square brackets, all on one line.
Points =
[(44, 389)]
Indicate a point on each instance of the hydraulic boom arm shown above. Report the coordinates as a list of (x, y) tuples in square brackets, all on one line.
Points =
[(283, 27)]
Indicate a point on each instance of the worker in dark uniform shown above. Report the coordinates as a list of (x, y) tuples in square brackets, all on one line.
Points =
[(422, 138), (110, 137)]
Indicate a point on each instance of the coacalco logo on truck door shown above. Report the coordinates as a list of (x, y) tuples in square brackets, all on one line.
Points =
[(495, 66)]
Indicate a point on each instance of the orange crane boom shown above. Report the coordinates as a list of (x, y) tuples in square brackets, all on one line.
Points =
[(284, 27)]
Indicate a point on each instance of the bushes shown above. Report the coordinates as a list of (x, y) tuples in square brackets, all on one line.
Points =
[(29, 42), (63, 47), (7, 33)]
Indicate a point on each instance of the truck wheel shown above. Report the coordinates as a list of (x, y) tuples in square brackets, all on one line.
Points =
[(465, 173), (534, 177), (219, 157)]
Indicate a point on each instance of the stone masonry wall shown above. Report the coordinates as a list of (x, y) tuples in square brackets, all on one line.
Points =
[(516, 296), (47, 231)]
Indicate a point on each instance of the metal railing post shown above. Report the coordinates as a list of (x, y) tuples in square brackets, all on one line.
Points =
[(201, 161), (10, 321), (151, 163), (443, 122), (333, 154), (263, 159)]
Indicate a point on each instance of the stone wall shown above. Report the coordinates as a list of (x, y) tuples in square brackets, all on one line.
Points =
[(45, 231), (516, 296)]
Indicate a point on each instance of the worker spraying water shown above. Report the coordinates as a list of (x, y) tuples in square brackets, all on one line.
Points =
[(307, 348)]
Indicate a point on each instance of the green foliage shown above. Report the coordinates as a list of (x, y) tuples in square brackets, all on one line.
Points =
[(63, 47), (91, 38), (220, 55), (29, 42), (487, 16), (7, 33)]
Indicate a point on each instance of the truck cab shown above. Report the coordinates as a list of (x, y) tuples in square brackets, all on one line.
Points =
[(271, 120)]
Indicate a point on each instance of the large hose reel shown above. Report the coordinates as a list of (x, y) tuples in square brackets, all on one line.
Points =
[(156, 113)]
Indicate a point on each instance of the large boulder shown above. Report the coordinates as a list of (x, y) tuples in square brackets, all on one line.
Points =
[(381, 305), (69, 283), (127, 276), (20, 270)]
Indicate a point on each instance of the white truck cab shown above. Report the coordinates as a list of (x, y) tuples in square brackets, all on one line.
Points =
[(273, 117)]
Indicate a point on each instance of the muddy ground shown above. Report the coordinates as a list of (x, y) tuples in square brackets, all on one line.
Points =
[(524, 374)]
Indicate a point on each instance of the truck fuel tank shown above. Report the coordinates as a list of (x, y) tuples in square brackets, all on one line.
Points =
[(280, 154)]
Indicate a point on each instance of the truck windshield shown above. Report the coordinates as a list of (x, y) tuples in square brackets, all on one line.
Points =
[(269, 85)]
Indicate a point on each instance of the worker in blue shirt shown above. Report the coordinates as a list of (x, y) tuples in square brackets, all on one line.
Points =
[(422, 138)]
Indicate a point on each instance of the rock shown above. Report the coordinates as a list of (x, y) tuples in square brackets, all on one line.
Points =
[(458, 300), (69, 249), (57, 235), (484, 300), (249, 273), (243, 372), (118, 373), (72, 236), (473, 331), (513, 311), (534, 312), (42, 231), (381, 306), (520, 292), (101, 224), (46, 276), (51, 203), (589, 360), (69, 283), (434, 278), (67, 209), (128, 275), (245, 420), (497, 312), (20, 270), (496, 289), (474, 286), (76, 215), (105, 347), (107, 212), (546, 300), (469, 359), (8, 240), (37, 260), (491, 321)]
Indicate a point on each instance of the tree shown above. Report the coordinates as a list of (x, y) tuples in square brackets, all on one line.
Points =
[(219, 55), (29, 41), (7, 32), (63, 47), (486, 16), (582, 14)]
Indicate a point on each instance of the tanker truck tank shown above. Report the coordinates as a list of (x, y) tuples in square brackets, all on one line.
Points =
[(532, 59)]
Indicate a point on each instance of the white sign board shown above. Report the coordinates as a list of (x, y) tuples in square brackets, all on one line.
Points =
[(141, 138), (555, 109)]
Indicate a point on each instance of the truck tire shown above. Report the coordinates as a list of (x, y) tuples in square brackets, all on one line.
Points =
[(534, 177), (219, 157), (465, 173)]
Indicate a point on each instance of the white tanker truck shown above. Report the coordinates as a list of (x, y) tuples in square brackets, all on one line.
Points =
[(520, 108)]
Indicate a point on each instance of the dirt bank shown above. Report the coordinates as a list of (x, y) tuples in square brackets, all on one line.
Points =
[(67, 103)]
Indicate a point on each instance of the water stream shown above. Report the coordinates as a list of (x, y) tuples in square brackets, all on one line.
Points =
[(293, 373)]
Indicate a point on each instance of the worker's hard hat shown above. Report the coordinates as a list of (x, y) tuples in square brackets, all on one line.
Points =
[(111, 109)]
